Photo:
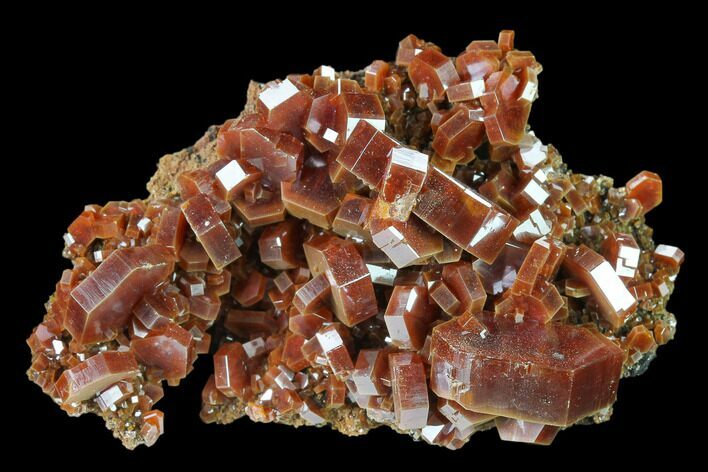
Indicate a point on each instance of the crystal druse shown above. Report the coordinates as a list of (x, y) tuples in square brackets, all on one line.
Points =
[(393, 247)]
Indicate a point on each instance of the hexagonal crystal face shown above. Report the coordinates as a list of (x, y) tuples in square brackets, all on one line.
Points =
[(553, 374)]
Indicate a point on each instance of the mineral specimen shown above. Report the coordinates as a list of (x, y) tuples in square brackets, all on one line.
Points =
[(387, 247)]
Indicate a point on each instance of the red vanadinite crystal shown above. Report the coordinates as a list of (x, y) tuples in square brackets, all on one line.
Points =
[(392, 246)]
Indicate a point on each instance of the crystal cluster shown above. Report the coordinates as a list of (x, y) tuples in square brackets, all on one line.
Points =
[(388, 247)]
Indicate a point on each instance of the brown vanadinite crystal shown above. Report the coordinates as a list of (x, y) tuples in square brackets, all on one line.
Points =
[(387, 247)]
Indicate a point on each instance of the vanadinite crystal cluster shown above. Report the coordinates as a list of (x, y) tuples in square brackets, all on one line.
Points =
[(387, 247)]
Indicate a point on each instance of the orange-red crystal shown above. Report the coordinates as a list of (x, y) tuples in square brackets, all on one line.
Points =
[(394, 244)]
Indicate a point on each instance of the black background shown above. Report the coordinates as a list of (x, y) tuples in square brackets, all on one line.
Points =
[(102, 99)]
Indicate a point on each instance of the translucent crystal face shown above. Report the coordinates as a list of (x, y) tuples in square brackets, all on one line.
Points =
[(365, 151), (553, 374), (210, 231), (410, 392), (614, 299), (463, 216), (408, 315), (100, 305), (391, 246), (94, 375)]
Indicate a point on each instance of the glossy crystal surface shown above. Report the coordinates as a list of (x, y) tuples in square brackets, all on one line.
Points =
[(101, 304), (545, 373)]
